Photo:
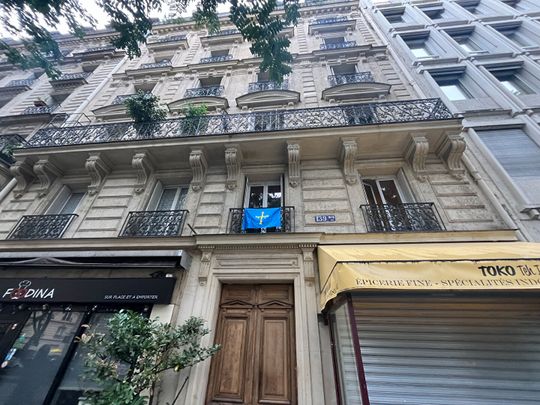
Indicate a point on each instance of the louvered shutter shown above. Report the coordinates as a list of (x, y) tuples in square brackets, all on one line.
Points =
[(450, 351), (519, 155)]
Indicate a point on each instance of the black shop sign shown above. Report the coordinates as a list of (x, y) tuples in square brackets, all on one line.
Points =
[(96, 290)]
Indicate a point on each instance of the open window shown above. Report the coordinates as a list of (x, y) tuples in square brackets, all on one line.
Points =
[(266, 194)]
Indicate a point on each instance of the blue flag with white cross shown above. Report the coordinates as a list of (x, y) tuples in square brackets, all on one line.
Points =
[(261, 218)]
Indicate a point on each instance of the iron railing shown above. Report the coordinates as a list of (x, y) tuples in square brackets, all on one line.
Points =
[(41, 226), (402, 217), (330, 20), (44, 109), (230, 124), (309, 3), (7, 143), (20, 83), (170, 38), (215, 91), (362, 77), (214, 59), (268, 85), (338, 45), (236, 218), (163, 63), (98, 49), (71, 76), (147, 224), (222, 33)]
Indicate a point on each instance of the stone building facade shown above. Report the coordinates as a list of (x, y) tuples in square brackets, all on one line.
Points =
[(352, 147)]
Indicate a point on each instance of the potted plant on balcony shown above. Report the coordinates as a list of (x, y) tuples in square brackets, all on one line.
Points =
[(193, 122), (144, 109), (131, 357)]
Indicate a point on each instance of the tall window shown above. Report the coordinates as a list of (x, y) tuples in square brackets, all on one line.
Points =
[(66, 202), (512, 82), (452, 88), (264, 195), (168, 198), (519, 155), (382, 191)]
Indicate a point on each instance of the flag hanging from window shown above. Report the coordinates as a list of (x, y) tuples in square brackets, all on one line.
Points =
[(261, 218)]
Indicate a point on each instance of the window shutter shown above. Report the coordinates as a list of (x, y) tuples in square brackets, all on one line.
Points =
[(519, 155)]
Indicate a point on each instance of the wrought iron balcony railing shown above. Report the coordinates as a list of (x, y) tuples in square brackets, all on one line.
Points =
[(330, 20), (236, 218), (170, 38), (99, 49), (71, 76), (146, 224), (20, 83), (215, 91), (268, 85), (41, 226), (402, 217), (222, 124), (7, 143), (163, 63), (44, 109), (338, 45), (309, 3), (222, 33), (214, 59), (361, 77)]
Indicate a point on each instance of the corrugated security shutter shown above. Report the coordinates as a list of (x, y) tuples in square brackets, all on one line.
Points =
[(519, 155), (450, 351)]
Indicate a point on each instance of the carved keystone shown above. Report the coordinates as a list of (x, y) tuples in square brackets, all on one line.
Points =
[(199, 165), (293, 153), (451, 151), (142, 164), (416, 154), (98, 169), (349, 150), (233, 161)]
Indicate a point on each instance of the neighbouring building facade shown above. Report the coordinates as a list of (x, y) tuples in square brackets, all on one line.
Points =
[(400, 267)]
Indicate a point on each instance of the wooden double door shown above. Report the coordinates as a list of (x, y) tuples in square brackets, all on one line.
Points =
[(256, 363)]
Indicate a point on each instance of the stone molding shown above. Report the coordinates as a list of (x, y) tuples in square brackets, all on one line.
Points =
[(97, 169), (46, 172), (349, 151), (143, 166), (293, 154), (199, 166), (233, 161), (23, 173), (416, 153)]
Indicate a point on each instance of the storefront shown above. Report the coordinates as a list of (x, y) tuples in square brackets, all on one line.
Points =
[(434, 323), (40, 320)]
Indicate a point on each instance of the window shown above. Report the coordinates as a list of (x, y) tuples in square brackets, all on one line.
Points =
[(382, 191), (517, 34), (335, 40), (210, 81), (221, 52), (394, 16), (512, 80), (420, 51), (264, 195), (418, 46), (66, 202), (469, 5), (268, 121), (344, 69), (519, 155), (168, 198), (452, 88), (435, 13)]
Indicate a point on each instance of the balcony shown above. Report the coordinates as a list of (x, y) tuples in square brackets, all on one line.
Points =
[(338, 45), (41, 226), (7, 143), (331, 24), (151, 224), (236, 218), (410, 217), (354, 86), (330, 20), (216, 59), (224, 36), (168, 42), (210, 91), (231, 124), (68, 81), (156, 65), (16, 86), (97, 52), (268, 85), (44, 109)]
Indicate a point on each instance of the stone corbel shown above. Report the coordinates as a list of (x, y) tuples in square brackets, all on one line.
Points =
[(233, 161), (98, 169), (349, 150), (451, 151), (206, 259), (199, 165), (293, 153), (142, 164), (22, 171), (309, 262), (416, 154), (46, 172)]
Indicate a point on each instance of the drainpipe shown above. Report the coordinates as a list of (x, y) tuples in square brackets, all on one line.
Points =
[(7, 189), (509, 222)]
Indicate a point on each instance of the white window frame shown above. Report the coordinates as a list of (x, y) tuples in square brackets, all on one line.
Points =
[(158, 192), (405, 197), (265, 185), (61, 200)]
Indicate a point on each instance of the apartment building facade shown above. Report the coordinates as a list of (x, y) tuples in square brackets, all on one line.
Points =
[(379, 201)]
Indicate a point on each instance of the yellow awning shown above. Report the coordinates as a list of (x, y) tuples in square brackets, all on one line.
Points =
[(437, 266)]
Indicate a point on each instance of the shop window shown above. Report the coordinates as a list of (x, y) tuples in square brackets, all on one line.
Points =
[(519, 155), (66, 202)]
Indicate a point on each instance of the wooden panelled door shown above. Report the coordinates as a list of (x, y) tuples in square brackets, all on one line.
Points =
[(256, 363)]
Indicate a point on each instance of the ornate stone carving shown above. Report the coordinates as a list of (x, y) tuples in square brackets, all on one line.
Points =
[(349, 150), (451, 151), (22, 171), (293, 153), (206, 258), (46, 172), (197, 161), (98, 169), (309, 271), (416, 154), (233, 160), (143, 166)]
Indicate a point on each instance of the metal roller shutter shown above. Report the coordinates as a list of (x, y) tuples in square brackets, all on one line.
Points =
[(433, 350)]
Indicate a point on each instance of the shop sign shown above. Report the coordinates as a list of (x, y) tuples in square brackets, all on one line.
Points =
[(103, 290)]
